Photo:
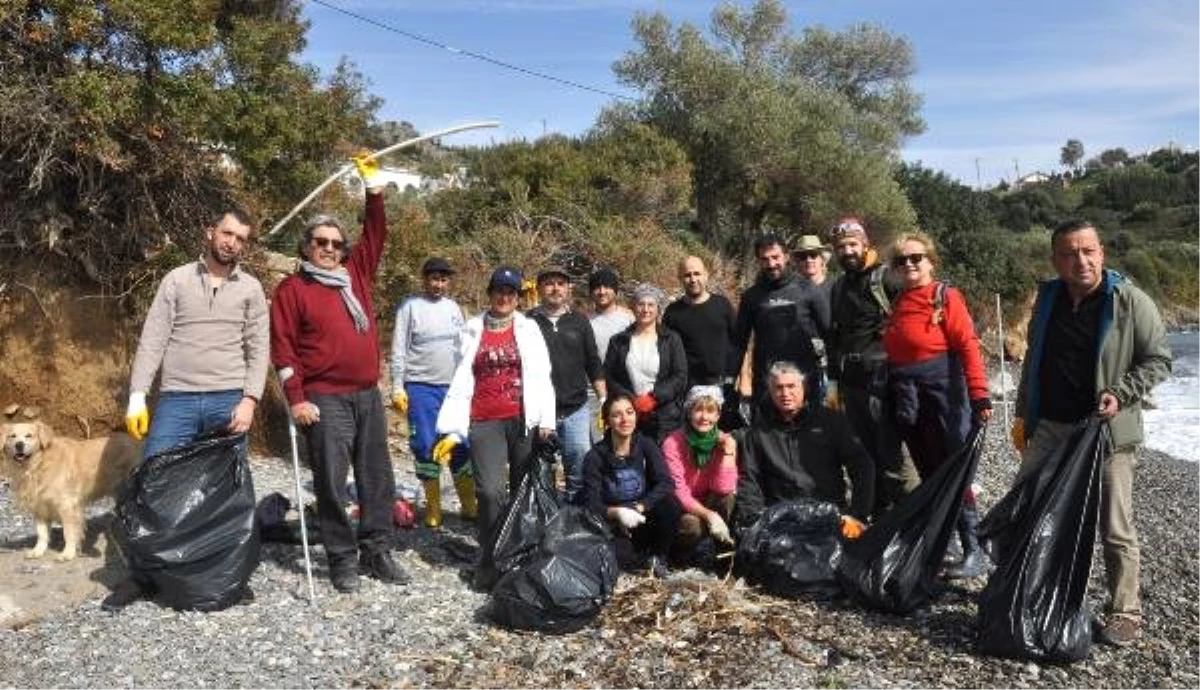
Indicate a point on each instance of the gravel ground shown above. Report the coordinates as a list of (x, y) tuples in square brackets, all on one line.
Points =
[(434, 632)]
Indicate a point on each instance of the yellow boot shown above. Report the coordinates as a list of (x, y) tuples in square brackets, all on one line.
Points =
[(465, 486), (433, 503)]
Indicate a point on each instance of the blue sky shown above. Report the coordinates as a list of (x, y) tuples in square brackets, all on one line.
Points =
[(1006, 82)]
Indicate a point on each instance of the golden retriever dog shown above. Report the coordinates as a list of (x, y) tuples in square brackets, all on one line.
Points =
[(55, 478)]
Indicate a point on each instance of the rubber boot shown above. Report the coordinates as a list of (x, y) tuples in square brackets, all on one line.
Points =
[(465, 486), (433, 503), (974, 563)]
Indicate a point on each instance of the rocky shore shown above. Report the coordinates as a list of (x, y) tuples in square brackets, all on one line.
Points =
[(691, 630)]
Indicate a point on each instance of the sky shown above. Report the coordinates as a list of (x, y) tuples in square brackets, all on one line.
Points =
[(1005, 83)]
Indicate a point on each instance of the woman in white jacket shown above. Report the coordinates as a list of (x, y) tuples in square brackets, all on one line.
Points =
[(500, 396)]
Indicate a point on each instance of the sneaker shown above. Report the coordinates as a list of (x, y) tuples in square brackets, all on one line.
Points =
[(345, 579), (1121, 631), (974, 565), (379, 565), (125, 593)]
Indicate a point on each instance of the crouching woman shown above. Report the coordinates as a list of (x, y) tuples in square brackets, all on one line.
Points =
[(702, 461), (627, 483)]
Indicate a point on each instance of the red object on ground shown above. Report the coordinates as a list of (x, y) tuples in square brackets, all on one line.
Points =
[(403, 514)]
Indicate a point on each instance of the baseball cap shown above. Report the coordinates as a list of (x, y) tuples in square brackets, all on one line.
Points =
[(553, 270), (604, 277), (436, 264), (505, 276)]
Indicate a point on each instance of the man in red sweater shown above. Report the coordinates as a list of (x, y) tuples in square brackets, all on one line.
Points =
[(325, 344)]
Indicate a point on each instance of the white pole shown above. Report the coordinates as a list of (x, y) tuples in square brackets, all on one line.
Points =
[(1003, 367), (381, 152)]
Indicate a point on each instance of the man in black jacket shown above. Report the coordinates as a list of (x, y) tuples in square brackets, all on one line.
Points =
[(793, 452), (574, 364), (861, 299), (784, 312)]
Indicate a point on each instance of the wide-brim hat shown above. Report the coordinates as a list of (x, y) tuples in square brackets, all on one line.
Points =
[(811, 243)]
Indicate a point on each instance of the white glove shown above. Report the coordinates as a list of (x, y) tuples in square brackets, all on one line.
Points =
[(628, 517), (718, 529)]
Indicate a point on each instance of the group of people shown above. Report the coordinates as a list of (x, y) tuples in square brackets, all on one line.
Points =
[(842, 376)]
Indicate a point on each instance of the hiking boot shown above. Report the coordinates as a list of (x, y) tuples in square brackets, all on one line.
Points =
[(379, 565), (1121, 631), (125, 593), (974, 565), (345, 579)]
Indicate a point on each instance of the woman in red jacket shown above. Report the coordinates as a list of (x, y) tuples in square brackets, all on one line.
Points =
[(936, 378)]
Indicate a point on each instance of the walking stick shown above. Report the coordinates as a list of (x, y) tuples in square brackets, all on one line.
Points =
[(312, 592)]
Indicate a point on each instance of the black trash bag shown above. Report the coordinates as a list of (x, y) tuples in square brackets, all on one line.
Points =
[(519, 533), (792, 549), (565, 583), (185, 524), (894, 565), (1043, 532)]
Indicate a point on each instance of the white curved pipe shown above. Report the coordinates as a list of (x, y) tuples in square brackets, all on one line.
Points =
[(381, 152)]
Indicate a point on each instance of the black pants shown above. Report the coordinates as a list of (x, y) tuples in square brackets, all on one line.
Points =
[(882, 441), (352, 433), (653, 538)]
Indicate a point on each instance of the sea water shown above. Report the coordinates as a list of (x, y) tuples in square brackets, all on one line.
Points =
[(1173, 427)]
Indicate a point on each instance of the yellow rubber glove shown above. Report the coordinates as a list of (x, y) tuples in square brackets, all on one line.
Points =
[(137, 416), (851, 528), (443, 449), (600, 419), (366, 165), (1017, 433), (400, 402), (833, 399)]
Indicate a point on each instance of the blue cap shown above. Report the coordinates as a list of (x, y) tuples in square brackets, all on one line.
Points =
[(505, 276)]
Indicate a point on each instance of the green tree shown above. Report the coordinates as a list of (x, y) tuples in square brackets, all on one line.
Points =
[(131, 121), (1072, 154), (780, 130)]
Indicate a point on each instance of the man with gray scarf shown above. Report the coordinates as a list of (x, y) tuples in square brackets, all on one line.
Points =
[(325, 345)]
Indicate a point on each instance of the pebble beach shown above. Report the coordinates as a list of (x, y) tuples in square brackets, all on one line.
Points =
[(435, 632)]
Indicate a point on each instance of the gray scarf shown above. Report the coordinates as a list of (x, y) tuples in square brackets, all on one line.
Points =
[(340, 280)]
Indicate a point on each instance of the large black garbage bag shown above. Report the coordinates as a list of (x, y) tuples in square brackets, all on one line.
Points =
[(792, 549), (519, 533), (1043, 532), (564, 584), (894, 565), (185, 524)]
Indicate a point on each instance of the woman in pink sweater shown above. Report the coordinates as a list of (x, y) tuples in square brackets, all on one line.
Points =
[(702, 461)]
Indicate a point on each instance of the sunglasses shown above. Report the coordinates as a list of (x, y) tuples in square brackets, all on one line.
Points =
[(846, 228), (807, 255), (905, 259), (327, 242)]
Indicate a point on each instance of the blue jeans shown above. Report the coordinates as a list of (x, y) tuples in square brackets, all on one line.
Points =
[(574, 440), (180, 418)]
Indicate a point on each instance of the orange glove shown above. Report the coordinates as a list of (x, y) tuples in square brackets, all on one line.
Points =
[(851, 528), (1017, 433), (645, 403)]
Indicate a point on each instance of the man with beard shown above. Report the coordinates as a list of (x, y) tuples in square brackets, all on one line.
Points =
[(207, 331), (785, 313), (705, 322), (861, 302), (574, 366)]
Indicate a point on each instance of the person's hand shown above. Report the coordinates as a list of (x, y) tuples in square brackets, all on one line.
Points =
[(306, 413), (1109, 405), (833, 398), (1017, 434), (981, 410), (628, 517), (367, 167), (444, 448), (718, 529), (242, 416), (852, 528), (645, 403), (728, 445), (400, 402), (137, 416)]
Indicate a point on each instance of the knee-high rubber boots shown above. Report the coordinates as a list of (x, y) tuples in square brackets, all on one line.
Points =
[(465, 486), (433, 503)]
